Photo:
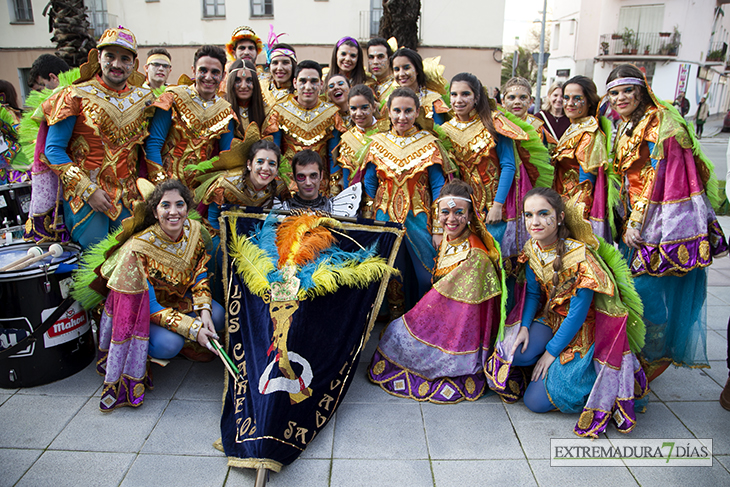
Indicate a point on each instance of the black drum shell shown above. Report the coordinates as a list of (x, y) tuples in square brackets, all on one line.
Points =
[(24, 297)]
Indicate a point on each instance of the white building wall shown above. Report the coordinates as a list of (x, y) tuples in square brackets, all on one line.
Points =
[(462, 23), (33, 35)]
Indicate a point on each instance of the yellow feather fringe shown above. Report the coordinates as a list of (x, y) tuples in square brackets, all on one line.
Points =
[(329, 279), (252, 263)]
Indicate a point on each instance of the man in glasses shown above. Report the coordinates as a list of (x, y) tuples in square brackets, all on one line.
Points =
[(157, 67)]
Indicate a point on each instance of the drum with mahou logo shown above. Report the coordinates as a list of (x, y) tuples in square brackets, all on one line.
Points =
[(29, 296)]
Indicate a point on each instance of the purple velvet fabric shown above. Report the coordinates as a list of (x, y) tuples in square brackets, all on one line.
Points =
[(123, 343)]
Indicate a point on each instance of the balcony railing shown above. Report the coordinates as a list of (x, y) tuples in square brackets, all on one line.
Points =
[(641, 43), (717, 53)]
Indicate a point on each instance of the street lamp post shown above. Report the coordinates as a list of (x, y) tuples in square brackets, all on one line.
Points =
[(541, 60), (516, 56)]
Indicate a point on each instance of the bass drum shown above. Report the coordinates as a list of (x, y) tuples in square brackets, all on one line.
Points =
[(29, 296)]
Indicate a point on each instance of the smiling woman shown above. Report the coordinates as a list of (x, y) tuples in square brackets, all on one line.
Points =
[(158, 300), (436, 352)]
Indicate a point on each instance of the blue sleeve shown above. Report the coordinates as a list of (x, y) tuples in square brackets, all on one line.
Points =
[(532, 298), (439, 118), (370, 180), (583, 176), (334, 166), (57, 140), (214, 212), (277, 138), (155, 307), (159, 127), (508, 168), (436, 179), (654, 162), (579, 306), (224, 143)]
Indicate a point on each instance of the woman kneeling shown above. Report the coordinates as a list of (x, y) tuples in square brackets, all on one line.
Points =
[(582, 341), (436, 351)]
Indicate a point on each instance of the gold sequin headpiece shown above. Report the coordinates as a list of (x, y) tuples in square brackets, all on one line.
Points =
[(118, 36)]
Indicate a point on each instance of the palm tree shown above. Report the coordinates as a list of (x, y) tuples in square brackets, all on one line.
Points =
[(400, 20), (67, 20)]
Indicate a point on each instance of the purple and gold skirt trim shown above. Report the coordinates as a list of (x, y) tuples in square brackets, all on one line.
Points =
[(401, 382), (124, 366)]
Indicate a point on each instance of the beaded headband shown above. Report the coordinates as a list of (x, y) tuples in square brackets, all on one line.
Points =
[(625, 81), (281, 51), (451, 200)]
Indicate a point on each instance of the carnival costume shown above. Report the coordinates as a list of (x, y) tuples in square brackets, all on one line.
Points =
[(437, 351), (539, 125), (93, 142), (187, 129), (667, 188), (146, 279), (272, 94), (349, 155), (591, 323), (296, 128), (383, 88), (403, 176), (581, 166), (501, 170), (14, 162)]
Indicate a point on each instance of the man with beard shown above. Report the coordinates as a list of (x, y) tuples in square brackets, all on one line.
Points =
[(96, 128)]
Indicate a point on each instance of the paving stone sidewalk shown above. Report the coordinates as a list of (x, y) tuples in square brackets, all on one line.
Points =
[(55, 435)]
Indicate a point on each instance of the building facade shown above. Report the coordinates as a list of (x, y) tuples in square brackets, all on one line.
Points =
[(312, 26), (681, 45)]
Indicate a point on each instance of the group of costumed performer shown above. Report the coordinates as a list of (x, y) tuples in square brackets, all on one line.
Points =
[(578, 323), (437, 351), (670, 232), (152, 278)]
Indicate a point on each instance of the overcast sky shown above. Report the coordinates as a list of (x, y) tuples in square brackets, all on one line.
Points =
[(518, 17)]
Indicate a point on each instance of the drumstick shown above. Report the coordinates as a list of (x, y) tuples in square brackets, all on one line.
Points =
[(226, 360), (32, 252), (55, 250)]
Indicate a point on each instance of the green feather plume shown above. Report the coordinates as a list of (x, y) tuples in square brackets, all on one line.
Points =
[(635, 327), (711, 185), (539, 155), (612, 179), (32, 117), (202, 166), (92, 258), (503, 297)]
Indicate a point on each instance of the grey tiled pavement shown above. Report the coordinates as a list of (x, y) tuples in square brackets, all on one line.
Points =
[(55, 435)]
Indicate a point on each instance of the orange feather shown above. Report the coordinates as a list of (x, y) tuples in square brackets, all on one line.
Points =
[(300, 239)]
